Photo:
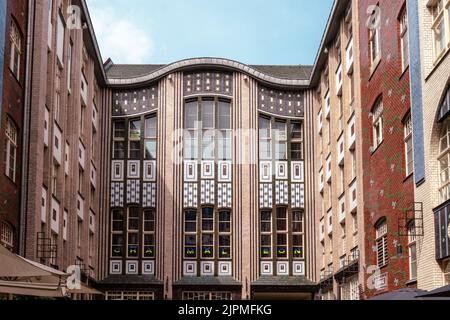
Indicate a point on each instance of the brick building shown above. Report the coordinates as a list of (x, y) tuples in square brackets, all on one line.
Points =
[(13, 29), (387, 156)]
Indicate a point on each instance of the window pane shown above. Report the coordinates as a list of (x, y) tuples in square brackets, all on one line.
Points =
[(296, 131), (191, 115), (265, 150), (191, 145), (264, 128), (150, 149), (135, 149), (281, 151), (119, 149), (135, 130), (119, 129), (281, 131), (224, 145), (150, 127), (224, 115), (208, 144), (208, 114)]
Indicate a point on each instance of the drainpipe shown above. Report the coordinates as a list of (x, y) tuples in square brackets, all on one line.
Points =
[(26, 127)]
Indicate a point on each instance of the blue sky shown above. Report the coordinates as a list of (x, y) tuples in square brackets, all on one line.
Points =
[(249, 31)]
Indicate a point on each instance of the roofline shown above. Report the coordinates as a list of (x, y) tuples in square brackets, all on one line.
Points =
[(94, 40), (333, 18), (208, 62)]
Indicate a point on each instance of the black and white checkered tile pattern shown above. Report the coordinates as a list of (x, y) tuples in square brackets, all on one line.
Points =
[(281, 192), (298, 195), (149, 195), (117, 194), (190, 195), (207, 192), (224, 195), (265, 195), (133, 191)]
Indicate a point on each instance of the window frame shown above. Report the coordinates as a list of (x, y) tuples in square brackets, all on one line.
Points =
[(16, 39), (375, 44), (377, 124), (404, 38), (408, 145), (381, 231), (412, 247)]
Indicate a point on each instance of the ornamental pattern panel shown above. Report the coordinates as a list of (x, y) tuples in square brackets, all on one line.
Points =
[(133, 191), (281, 103), (265, 195), (132, 102), (224, 195), (117, 191), (298, 195), (281, 192), (207, 192), (149, 195), (190, 195), (208, 83), (117, 170)]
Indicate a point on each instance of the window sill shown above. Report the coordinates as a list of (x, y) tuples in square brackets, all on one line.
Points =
[(411, 282), (374, 66), (11, 180), (436, 63), (405, 71), (408, 177), (15, 77), (375, 149)]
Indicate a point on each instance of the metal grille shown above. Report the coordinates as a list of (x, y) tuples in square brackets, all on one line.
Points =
[(203, 295), (413, 215)]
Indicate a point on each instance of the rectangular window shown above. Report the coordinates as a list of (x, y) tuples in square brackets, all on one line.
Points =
[(282, 233), (297, 235), (149, 234), (133, 233), (404, 39), (438, 27), (16, 49), (266, 234), (225, 133), (60, 30), (10, 149), (297, 141), (134, 139), (208, 233), (265, 139), (191, 132), (150, 138), (374, 37), (190, 234), (377, 125), (409, 156), (412, 247), (280, 141), (224, 234), (119, 135)]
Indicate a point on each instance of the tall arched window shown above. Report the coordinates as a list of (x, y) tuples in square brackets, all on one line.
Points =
[(7, 234), (382, 243), (444, 162)]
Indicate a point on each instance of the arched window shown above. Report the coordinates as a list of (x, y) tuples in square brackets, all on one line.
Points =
[(412, 248), (7, 234), (444, 162), (382, 244)]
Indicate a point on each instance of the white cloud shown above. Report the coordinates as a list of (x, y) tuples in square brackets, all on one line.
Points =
[(121, 39)]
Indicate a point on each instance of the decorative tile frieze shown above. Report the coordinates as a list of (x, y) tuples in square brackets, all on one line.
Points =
[(281, 192), (190, 195), (265, 195), (134, 171), (298, 195), (149, 195), (225, 171), (297, 171), (117, 170), (281, 103), (208, 169), (281, 170), (265, 171), (190, 171), (207, 191), (133, 191), (208, 83), (132, 102), (224, 195), (117, 194)]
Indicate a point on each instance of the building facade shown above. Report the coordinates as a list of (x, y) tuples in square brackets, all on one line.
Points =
[(208, 182), (211, 179), (431, 102), (389, 209), (13, 31), (63, 197), (338, 175)]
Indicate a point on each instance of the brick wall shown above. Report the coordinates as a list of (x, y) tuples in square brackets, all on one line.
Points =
[(387, 190), (12, 101)]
